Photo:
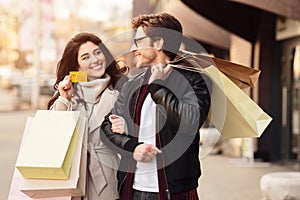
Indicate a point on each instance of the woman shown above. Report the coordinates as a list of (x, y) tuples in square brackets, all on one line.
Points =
[(94, 98)]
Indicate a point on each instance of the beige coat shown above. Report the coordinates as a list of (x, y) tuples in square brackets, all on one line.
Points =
[(102, 162)]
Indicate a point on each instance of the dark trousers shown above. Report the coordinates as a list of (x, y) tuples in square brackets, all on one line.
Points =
[(140, 195)]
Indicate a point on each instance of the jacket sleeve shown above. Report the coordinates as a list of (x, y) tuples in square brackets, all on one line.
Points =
[(121, 143), (61, 103), (189, 111)]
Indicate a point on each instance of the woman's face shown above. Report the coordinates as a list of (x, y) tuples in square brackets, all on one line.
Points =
[(91, 60)]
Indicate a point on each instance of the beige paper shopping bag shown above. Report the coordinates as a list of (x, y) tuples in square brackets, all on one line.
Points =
[(24, 189), (242, 76), (15, 192), (48, 150), (75, 185), (232, 111)]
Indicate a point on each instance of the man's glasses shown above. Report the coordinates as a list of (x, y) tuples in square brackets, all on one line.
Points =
[(136, 41)]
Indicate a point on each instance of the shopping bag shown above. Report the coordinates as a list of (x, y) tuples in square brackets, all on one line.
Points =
[(232, 111), (242, 76), (49, 147), (27, 189)]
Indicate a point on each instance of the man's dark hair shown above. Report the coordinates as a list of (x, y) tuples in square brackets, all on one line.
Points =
[(161, 25)]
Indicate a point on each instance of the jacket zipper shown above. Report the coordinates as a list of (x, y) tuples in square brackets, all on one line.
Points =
[(134, 110), (164, 172), (121, 184), (135, 103)]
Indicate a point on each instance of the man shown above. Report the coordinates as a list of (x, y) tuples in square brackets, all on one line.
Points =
[(163, 107)]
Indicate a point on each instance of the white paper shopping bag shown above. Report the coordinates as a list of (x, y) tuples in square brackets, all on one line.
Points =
[(49, 147)]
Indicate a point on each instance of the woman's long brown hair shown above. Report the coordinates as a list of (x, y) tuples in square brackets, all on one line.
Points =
[(69, 62)]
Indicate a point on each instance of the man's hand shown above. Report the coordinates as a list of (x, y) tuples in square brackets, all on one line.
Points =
[(145, 152), (159, 71)]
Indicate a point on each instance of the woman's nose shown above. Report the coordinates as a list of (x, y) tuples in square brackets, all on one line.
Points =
[(95, 58)]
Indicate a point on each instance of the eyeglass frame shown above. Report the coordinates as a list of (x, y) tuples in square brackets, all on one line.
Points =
[(136, 40)]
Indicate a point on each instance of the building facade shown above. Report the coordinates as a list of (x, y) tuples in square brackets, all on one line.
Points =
[(272, 29)]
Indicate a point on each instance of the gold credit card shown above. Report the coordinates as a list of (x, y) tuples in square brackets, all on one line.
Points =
[(78, 76)]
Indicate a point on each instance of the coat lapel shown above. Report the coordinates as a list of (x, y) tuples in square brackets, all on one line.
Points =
[(102, 108)]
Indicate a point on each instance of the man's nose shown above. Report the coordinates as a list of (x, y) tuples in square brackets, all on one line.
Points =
[(133, 48)]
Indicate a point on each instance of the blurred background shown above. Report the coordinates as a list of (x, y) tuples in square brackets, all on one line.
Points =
[(261, 34), (33, 35)]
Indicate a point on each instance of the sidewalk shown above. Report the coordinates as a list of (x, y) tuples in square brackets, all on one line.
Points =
[(11, 131), (225, 178)]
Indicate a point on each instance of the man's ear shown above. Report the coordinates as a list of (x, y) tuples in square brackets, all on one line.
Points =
[(159, 43)]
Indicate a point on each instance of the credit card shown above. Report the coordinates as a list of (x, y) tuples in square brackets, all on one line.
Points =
[(78, 76)]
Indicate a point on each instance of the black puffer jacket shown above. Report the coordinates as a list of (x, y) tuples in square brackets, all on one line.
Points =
[(183, 102)]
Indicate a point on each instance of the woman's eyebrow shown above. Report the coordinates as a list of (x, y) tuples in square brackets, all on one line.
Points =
[(84, 55), (96, 49)]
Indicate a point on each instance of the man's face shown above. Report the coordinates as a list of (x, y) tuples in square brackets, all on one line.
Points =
[(143, 49)]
